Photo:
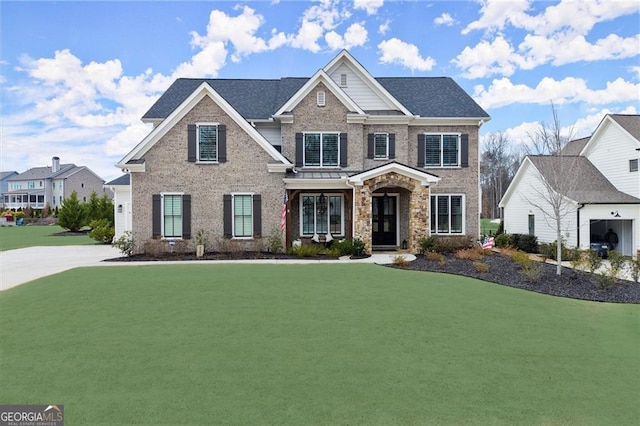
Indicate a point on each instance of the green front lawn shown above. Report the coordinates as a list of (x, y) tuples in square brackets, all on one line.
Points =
[(313, 344), (14, 237)]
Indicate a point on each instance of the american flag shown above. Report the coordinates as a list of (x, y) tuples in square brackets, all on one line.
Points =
[(488, 243), (283, 212)]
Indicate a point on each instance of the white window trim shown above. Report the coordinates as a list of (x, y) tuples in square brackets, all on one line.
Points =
[(304, 150), (162, 195), (464, 215), (198, 160), (442, 166), (321, 98), (233, 215), (386, 157), (317, 194)]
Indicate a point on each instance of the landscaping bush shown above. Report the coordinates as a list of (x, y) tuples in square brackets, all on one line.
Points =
[(435, 257), (502, 240), (525, 242), (474, 253), (400, 260), (481, 267), (125, 243), (347, 247), (634, 268), (307, 250), (102, 231), (548, 250), (529, 268)]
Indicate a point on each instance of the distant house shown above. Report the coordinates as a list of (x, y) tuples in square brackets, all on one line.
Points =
[(606, 193), (4, 183), (340, 154), (49, 186), (121, 189)]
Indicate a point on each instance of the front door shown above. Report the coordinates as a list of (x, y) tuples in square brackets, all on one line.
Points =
[(384, 221)]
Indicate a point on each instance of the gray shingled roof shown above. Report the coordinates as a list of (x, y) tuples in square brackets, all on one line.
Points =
[(631, 123), (122, 180), (36, 173), (4, 175), (591, 187), (260, 99), (576, 146)]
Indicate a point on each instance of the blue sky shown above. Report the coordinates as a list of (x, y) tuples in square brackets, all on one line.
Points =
[(76, 77)]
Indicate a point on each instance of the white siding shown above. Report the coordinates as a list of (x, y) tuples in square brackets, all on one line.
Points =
[(359, 91), (525, 200), (122, 207), (611, 154), (626, 226), (270, 132)]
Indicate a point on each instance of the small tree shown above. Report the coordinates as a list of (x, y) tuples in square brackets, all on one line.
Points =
[(72, 215)]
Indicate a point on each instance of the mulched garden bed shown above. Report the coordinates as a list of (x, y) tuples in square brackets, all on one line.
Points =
[(503, 270)]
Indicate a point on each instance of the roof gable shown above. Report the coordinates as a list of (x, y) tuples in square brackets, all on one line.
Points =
[(178, 113), (319, 77), (628, 124), (425, 179)]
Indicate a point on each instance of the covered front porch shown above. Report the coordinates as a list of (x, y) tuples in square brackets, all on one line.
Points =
[(386, 207)]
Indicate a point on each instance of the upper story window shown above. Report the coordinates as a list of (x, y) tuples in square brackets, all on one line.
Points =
[(207, 142), (442, 150), (633, 165), (343, 80), (320, 98), (381, 146), (31, 185), (321, 149)]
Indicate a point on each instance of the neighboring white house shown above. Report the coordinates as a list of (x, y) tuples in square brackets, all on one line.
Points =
[(121, 188), (605, 193)]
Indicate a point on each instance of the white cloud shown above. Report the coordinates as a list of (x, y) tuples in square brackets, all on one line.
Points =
[(503, 92), (356, 35), (635, 70), (487, 58), (384, 27), (395, 51), (307, 37), (552, 36), (371, 6), (444, 19)]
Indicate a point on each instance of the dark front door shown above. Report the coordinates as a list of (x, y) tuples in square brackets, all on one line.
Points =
[(384, 221)]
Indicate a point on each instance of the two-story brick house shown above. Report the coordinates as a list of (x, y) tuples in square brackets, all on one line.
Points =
[(386, 160)]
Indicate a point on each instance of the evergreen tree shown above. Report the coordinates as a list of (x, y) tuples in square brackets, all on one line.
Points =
[(72, 215)]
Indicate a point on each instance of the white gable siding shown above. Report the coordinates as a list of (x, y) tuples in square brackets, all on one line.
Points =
[(611, 154), (522, 203), (359, 91)]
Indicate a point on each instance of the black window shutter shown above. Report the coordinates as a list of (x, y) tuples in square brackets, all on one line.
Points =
[(186, 217), (222, 143), (257, 215), (392, 145), (370, 145), (422, 146), (191, 143), (299, 149), (343, 150), (464, 150), (156, 214), (226, 213)]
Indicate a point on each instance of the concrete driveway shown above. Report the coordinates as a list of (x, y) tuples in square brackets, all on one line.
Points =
[(23, 265)]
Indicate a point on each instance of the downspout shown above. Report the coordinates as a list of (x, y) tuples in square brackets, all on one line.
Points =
[(578, 225)]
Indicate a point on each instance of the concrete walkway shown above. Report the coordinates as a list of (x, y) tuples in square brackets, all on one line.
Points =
[(27, 264)]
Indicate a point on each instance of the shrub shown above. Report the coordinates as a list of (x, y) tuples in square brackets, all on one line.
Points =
[(201, 238), (427, 244), (529, 268), (634, 268), (525, 242), (72, 216), (481, 267), (548, 250), (400, 260), (125, 243), (436, 257), (102, 231), (500, 229), (617, 261), (275, 244), (348, 247), (474, 253), (592, 260), (502, 240)]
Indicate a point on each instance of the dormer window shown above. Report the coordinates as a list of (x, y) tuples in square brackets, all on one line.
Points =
[(343, 80), (320, 98)]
